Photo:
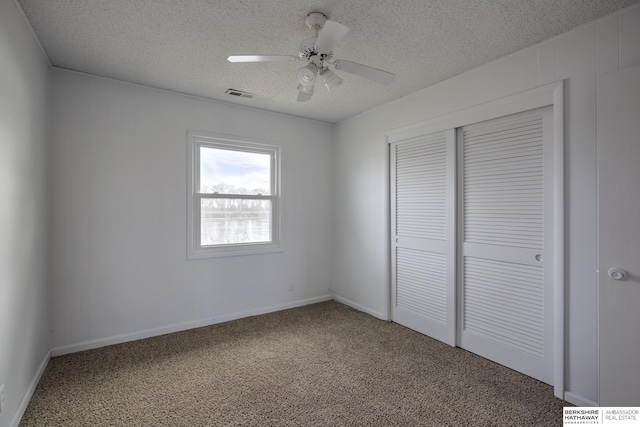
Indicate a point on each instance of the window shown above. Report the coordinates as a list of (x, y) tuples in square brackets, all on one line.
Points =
[(234, 196)]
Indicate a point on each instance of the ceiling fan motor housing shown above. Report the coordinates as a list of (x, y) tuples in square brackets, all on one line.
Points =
[(308, 50)]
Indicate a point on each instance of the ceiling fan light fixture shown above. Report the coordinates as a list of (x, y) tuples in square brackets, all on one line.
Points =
[(308, 89), (330, 79), (304, 92), (307, 74)]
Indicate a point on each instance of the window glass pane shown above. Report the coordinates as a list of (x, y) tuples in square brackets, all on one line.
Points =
[(234, 172), (231, 221)]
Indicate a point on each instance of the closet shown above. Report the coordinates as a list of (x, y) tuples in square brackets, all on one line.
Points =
[(476, 231)]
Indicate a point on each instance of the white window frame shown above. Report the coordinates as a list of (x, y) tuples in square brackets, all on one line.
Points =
[(198, 139)]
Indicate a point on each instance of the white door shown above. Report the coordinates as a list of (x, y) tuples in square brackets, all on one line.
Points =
[(423, 234), (619, 237), (506, 226)]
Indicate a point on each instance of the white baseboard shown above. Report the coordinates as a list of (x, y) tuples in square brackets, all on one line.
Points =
[(134, 336), (361, 308), (578, 400), (294, 304), (148, 333), (30, 390)]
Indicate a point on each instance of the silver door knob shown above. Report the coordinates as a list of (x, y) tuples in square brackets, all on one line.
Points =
[(617, 273)]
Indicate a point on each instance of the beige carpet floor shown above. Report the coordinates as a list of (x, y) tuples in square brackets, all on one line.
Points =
[(319, 365)]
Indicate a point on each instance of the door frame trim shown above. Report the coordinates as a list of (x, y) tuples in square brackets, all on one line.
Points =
[(548, 95)]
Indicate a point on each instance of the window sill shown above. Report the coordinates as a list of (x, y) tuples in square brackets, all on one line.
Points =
[(232, 251)]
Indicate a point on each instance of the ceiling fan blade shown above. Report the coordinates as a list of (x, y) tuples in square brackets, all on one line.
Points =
[(262, 58), (302, 97), (330, 34), (365, 71)]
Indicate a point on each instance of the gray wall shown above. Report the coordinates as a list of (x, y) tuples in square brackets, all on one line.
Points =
[(361, 271), (119, 215), (24, 209)]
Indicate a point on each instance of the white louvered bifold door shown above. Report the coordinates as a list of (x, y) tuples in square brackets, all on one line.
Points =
[(423, 238), (505, 190)]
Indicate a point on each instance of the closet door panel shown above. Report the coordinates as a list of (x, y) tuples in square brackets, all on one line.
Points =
[(505, 309), (423, 238)]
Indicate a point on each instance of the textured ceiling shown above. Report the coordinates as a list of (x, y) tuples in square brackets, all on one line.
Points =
[(182, 45)]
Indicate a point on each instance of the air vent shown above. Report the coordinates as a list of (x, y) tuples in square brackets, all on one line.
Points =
[(239, 93)]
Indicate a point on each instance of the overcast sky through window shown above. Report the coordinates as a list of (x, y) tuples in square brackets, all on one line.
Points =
[(250, 171)]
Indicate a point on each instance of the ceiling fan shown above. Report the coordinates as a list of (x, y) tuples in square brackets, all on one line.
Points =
[(317, 52)]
